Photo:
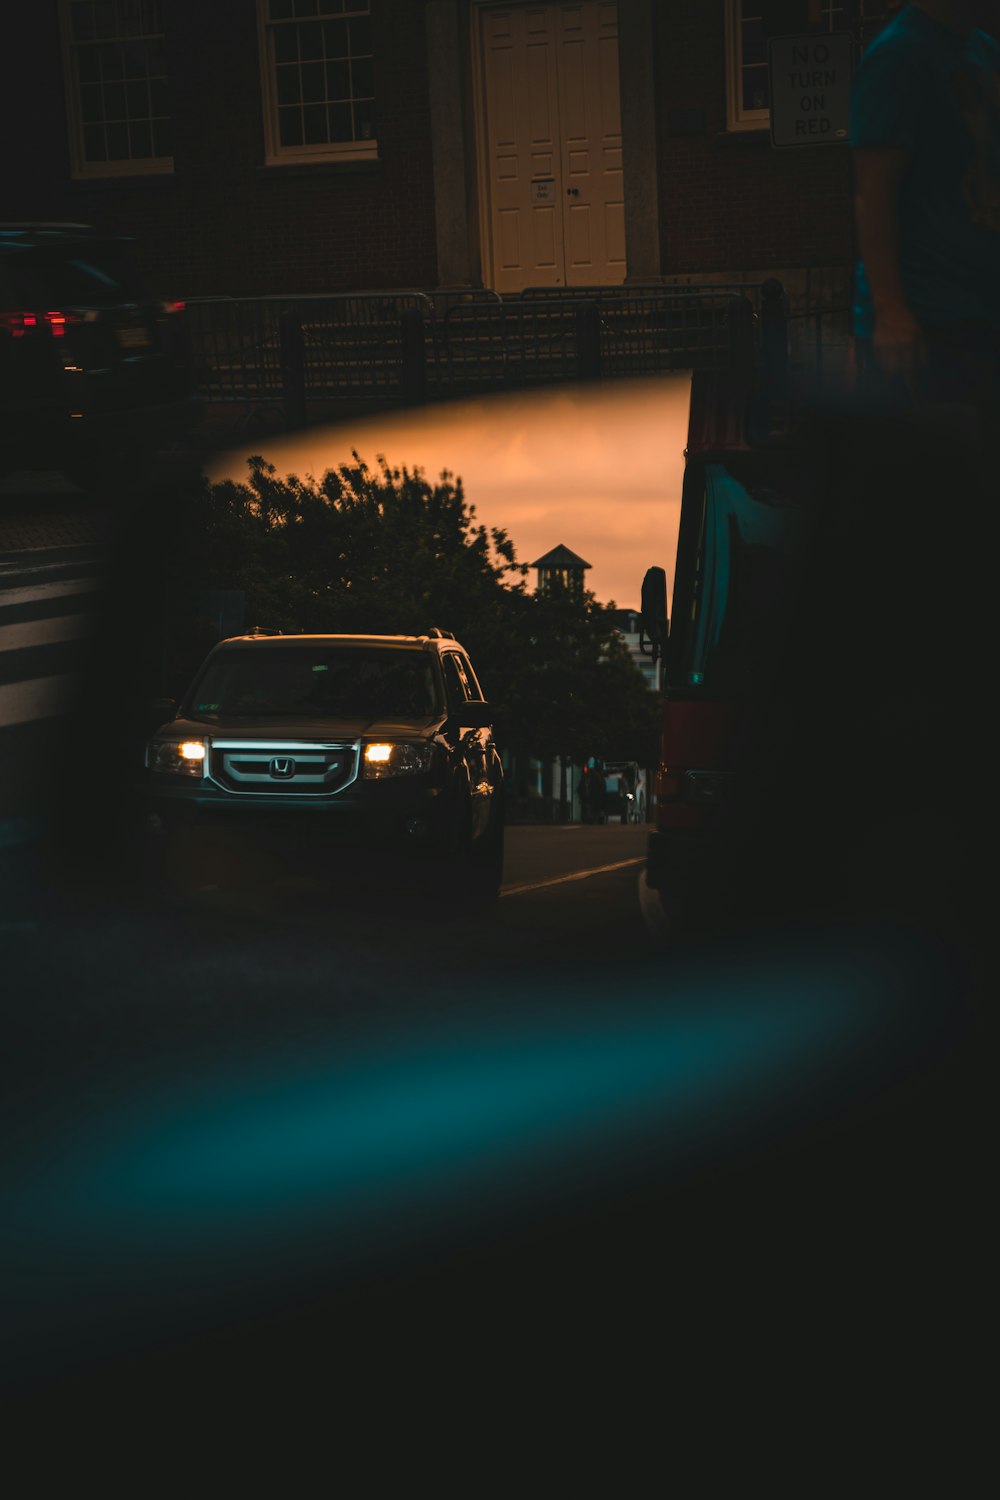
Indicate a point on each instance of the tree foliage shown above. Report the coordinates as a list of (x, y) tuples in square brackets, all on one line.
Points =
[(387, 551)]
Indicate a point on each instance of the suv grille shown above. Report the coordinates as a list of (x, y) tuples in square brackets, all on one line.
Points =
[(291, 767)]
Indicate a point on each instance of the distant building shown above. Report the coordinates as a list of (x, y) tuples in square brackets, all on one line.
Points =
[(627, 624), (562, 568)]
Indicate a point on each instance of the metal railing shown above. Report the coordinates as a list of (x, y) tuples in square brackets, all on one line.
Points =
[(586, 332), (820, 340), (345, 345), (504, 345), (412, 345)]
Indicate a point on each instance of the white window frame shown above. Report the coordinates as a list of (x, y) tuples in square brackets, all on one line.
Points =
[(738, 118), (835, 16), (275, 154), (80, 167)]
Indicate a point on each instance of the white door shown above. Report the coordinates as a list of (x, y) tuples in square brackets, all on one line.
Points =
[(555, 209)]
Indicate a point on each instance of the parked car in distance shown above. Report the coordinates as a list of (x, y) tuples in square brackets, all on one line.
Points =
[(358, 747), (613, 789), (94, 368), (624, 792)]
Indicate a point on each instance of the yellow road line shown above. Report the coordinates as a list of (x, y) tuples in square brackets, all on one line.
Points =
[(541, 885)]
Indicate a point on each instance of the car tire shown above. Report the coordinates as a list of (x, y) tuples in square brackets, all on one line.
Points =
[(474, 871), (487, 865)]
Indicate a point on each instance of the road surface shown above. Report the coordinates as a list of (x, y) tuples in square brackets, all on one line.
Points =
[(290, 1139)]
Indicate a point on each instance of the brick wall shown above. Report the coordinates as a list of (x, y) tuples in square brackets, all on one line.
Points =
[(731, 200), (223, 223)]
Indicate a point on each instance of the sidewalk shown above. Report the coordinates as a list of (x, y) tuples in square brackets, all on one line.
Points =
[(42, 517)]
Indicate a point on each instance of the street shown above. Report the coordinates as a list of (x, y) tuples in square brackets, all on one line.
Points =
[(108, 994), (460, 418), (52, 587), (252, 1118)]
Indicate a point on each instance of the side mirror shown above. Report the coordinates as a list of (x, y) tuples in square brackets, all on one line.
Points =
[(475, 716), (654, 613)]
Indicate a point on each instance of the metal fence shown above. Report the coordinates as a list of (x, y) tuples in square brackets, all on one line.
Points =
[(820, 340), (672, 328), (247, 349), (413, 345), (504, 345), (582, 332)]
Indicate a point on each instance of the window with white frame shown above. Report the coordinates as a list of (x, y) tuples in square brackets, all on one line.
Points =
[(749, 25), (318, 80), (116, 87)]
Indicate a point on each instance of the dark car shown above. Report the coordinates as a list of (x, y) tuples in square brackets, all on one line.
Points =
[(349, 746), (94, 371)]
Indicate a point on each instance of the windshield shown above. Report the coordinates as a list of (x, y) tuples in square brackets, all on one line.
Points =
[(317, 683)]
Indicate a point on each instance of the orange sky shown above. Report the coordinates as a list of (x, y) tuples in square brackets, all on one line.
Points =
[(598, 468)]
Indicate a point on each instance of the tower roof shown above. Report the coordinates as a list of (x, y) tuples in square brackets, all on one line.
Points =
[(560, 557)]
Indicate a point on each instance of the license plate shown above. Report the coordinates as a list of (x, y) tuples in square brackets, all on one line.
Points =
[(134, 338)]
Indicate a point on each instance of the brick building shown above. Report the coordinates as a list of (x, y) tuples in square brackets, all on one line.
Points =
[(292, 146)]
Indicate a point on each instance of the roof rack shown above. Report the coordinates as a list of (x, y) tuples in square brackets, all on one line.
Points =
[(263, 630), (436, 633)]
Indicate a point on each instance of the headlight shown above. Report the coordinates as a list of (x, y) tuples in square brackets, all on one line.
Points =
[(404, 759), (177, 758)]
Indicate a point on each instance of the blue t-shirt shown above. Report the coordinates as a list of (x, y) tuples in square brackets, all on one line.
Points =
[(927, 90)]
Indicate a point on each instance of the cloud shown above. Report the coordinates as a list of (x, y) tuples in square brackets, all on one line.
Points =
[(598, 468)]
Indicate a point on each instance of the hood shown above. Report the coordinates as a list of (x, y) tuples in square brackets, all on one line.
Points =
[(281, 727)]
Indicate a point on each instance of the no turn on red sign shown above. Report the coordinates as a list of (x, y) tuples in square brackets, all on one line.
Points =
[(810, 88)]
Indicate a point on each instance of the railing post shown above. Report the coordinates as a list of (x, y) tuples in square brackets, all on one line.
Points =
[(588, 341), (773, 339), (293, 368), (739, 319), (413, 377)]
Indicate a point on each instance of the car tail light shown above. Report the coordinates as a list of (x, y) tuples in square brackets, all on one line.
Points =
[(52, 323), (171, 307)]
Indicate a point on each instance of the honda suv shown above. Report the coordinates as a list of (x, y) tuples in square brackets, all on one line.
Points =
[(372, 744), (94, 370)]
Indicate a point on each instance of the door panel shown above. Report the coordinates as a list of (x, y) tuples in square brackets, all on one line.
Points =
[(522, 110), (547, 236), (553, 144), (581, 255), (590, 128), (510, 238)]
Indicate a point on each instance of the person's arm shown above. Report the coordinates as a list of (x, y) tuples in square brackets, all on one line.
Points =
[(897, 342)]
